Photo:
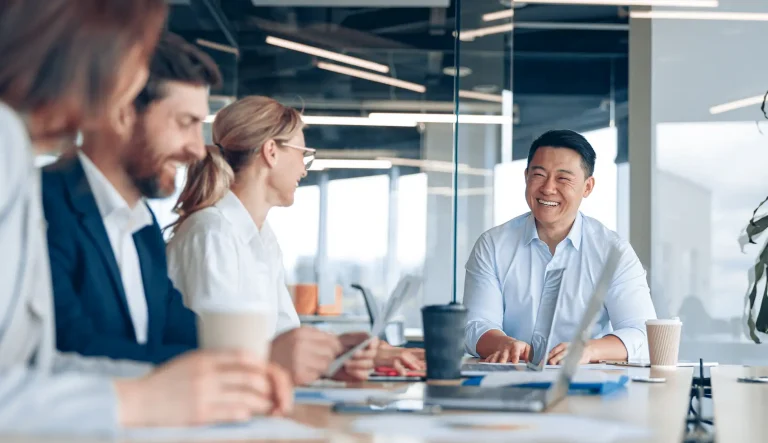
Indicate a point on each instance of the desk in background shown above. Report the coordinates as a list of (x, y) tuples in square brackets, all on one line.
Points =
[(741, 409)]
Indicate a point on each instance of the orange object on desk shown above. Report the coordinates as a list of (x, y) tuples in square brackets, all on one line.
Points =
[(392, 372), (306, 300), (336, 308)]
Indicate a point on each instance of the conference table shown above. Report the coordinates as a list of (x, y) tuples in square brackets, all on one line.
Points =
[(741, 409), (660, 408)]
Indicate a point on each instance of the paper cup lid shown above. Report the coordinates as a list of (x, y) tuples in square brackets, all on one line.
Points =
[(664, 322), (228, 305)]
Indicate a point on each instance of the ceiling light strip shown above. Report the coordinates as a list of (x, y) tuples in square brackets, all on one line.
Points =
[(701, 15), (372, 77), (737, 104), (472, 34), (354, 61), (499, 15), (495, 98), (218, 46), (667, 3), (441, 118), (322, 164), (322, 120)]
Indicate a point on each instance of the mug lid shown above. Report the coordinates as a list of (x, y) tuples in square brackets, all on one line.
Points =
[(450, 307)]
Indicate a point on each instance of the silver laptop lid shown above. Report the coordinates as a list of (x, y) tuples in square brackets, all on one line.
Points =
[(559, 389)]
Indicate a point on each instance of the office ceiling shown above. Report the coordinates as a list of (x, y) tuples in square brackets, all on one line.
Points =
[(563, 70)]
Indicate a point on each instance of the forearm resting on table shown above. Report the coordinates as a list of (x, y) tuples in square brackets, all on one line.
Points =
[(608, 348), (490, 342)]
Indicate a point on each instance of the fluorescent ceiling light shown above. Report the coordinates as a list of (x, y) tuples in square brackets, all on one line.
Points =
[(438, 166), (442, 118), (499, 15), (496, 98), (210, 118), (372, 77), (668, 3), (322, 164), (218, 46), (354, 61), (322, 120), (472, 34), (447, 191), (738, 104), (702, 15)]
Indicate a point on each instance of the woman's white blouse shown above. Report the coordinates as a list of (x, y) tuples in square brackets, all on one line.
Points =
[(218, 256)]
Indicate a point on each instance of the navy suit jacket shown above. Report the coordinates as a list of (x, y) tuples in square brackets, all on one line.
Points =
[(92, 315)]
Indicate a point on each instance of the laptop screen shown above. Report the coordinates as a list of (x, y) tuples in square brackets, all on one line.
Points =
[(559, 389)]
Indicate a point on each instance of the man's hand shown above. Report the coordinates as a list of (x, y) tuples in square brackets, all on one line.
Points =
[(359, 367), (205, 387), (509, 351), (401, 359), (558, 353), (609, 347), (305, 353)]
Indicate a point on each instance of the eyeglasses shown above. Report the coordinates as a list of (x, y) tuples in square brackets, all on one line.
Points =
[(309, 153)]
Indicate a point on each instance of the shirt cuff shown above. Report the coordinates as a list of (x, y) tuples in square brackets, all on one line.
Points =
[(472, 333), (635, 341)]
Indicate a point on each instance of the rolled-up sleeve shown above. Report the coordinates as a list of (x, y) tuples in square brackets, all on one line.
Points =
[(482, 295), (629, 304)]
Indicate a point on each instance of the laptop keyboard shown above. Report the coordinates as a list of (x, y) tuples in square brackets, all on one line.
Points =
[(492, 367)]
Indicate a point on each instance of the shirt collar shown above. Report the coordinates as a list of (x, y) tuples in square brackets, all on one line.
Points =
[(110, 203), (234, 211), (574, 235)]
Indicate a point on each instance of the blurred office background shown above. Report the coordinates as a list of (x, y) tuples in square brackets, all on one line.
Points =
[(677, 173)]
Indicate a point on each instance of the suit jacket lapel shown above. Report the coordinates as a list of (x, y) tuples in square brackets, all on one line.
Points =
[(84, 203)]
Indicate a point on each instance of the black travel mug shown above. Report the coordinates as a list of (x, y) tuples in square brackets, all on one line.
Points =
[(444, 340)]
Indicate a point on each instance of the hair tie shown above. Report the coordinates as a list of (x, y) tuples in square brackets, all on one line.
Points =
[(221, 148)]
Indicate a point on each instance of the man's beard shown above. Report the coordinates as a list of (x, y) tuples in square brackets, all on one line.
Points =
[(142, 168)]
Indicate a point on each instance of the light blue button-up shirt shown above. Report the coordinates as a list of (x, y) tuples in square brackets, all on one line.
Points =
[(505, 279)]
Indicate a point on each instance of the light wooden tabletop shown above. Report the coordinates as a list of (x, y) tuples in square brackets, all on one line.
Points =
[(662, 408), (741, 409)]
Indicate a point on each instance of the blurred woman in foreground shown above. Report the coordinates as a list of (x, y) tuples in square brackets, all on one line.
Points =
[(66, 64)]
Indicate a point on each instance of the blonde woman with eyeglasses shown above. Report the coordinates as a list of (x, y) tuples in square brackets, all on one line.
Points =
[(223, 249)]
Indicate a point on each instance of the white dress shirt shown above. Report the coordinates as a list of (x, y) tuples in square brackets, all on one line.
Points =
[(218, 255), (121, 222), (505, 279), (43, 391)]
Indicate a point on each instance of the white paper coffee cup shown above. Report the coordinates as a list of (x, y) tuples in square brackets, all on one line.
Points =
[(235, 326), (664, 341)]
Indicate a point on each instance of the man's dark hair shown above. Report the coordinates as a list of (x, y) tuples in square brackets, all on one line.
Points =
[(177, 60), (567, 139)]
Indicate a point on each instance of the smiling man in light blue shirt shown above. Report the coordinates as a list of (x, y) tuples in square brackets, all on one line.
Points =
[(529, 280)]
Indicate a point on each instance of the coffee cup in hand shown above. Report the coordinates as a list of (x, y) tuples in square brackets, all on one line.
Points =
[(664, 341), (235, 326)]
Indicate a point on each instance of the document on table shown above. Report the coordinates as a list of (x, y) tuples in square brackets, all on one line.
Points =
[(500, 428), (334, 395), (260, 428), (406, 288)]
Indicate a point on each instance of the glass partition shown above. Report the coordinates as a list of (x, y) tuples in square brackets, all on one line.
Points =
[(710, 149)]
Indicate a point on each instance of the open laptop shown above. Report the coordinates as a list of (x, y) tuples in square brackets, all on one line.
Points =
[(406, 289), (529, 399)]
